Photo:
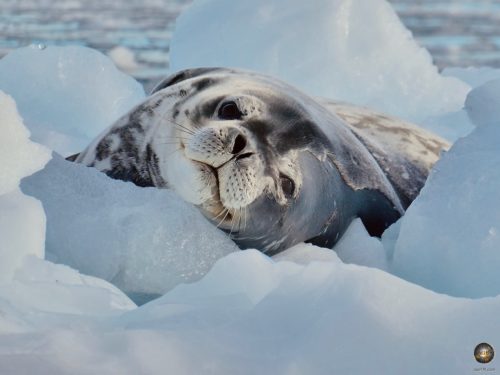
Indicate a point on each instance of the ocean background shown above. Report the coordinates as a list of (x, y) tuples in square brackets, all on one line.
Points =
[(456, 32)]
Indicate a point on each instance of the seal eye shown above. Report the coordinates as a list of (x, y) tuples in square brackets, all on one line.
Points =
[(230, 111), (287, 186)]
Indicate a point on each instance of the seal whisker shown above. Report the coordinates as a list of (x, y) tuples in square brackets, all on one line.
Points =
[(171, 137), (224, 218), (246, 213), (233, 222), (185, 131), (220, 213)]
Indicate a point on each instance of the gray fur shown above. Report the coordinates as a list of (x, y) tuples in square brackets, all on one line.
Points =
[(333, 157)]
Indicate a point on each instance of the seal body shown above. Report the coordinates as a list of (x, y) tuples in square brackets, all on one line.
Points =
[(264, 162)]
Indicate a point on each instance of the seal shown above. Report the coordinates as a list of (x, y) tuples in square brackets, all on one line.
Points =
[(264, 162)]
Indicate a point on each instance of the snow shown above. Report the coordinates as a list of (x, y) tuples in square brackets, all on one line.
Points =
[(351, 50), (70, 94), (415, 302)]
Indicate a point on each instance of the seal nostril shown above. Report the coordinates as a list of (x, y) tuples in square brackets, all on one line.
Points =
[(239, 144), (244, 156)]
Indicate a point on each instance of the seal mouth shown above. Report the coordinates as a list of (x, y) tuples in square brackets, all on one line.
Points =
[(213, 208)]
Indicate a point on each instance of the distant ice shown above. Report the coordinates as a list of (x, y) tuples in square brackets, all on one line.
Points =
[(356, 246), (124, 59), (352, 50), (67, 95)]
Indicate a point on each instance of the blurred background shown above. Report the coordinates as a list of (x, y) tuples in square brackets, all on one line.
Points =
[(136, 33)]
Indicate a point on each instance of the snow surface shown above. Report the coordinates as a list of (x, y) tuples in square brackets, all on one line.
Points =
[(69, 95), (304, 312), (351, 50)]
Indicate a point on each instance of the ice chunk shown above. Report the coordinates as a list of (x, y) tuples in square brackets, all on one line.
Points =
[(22, 221), (67, 95), (251, 315), (305, 254), (22, 231), (450, 126), (356, 246), (352, 50), (450, 236), (31, 288), (483, 103), (143, 240), (124, 59), (49, 288), (19, 156)]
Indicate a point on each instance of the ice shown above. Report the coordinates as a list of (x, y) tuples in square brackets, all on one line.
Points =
[(50, 288), (22, 221), (143, 240), (19, 156), (473, 76), (251, 315), (450, 236), (356, 246), (482, 104), (67, 95), (124, 59), (305, 311), (34, 292), (22, 231), (352, 50)]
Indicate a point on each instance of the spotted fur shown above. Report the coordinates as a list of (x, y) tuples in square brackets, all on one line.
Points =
[(281, 168)]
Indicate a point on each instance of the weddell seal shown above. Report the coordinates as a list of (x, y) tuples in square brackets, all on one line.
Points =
[(263, 161)]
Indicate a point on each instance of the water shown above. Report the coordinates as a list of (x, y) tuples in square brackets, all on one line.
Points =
[(456, 32)]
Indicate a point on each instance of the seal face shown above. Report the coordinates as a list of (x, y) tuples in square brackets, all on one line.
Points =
[(266, 163)]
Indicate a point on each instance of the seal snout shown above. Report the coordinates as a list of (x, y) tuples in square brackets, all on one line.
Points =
[(231, 155)]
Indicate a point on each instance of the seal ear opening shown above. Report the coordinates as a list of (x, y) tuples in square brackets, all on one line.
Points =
[(182, 76)]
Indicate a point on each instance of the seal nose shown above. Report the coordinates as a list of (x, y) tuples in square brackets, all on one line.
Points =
[(239, 144)]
